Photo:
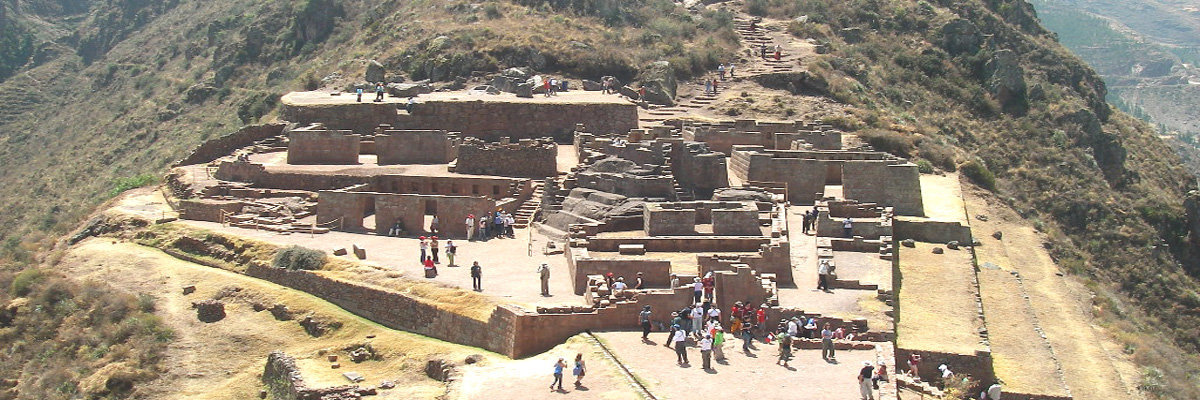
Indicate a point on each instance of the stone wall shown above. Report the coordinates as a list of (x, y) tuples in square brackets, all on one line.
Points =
[(208, 209), (924, 230), (978, 365), (655, 273), (491, 120), (361, 118), (529, 158), (662, 220), (773, 258), (662, 186), (323, 147), (225, 145), (869, 228), (885, 182), (414, 147), (736, 222), (349, 208), (687, 244)]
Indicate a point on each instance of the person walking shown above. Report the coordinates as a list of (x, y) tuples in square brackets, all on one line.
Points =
[(914, 366), (698, 321), (697, 290), (379, 92), (848, 227), (579, 369), (805, 219), (721, 71), (359, 92), (709, 284), (680, 342), (785, 349), (639, 283), (424, 246), (747, 336), (718, 342), (644, 320), (451, 250), (706, 345), (730, 70), (558, 371), (477, 276), (470, 227), (671, 333), (544, 274), (864, 381), (707, 86), (827, 343), (880, 374), (433, 248), (823, 275)]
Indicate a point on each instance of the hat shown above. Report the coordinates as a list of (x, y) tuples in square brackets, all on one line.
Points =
[(696, 279), (942, 367), (435, 237), (867, 363), (882, 362), (795, 318), (639, 273), (470, 215), (646, 307), (422, 238)]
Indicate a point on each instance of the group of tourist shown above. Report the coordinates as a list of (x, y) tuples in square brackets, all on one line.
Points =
[(809, 221), (429, 253), (497, 224), (763, 52), (578, 371)]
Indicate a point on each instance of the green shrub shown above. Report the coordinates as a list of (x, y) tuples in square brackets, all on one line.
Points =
[(888, 141), (120, 185), (23, 283), (924, 167), (297, 257), (980, 174)]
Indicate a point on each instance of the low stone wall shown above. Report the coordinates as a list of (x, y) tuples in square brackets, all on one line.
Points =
[(655, 273), (978, 365), (225, 145), (491, 120), (208, 209), (362, 118), (323, 147), (284, 382), (691, 244), (526, 158), (924, 230)]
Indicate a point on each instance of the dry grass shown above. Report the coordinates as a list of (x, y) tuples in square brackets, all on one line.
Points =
[(937, 310)]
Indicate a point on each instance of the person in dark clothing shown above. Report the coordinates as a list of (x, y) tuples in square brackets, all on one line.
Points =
[(644, 319), (477, 276)]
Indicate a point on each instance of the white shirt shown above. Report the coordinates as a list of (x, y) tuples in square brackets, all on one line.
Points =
[(697, 313), (699, 287), (714, 312), (619, 286), (470, 223), (679, 336), (792, 328), (823, 269), (705, 344), (846, 223)]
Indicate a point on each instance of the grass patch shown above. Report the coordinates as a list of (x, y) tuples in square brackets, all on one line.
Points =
[(121, 185)]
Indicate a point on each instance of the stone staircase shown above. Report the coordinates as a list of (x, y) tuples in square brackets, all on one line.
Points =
[(524, 215)]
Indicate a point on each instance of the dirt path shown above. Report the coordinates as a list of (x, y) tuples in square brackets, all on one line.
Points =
[(1061, 304)]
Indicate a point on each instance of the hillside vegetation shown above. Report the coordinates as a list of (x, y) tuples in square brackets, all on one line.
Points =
[(109, 94)]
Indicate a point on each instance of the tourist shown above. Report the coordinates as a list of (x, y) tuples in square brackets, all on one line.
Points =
[(477, 276), (396, 229), (992, 392), (359, 92), (793, 327), (379, 92), (483, 226), (730, 70), (410, 105), (544, 274), (680, 341), (508, 224), (823, 275), (709, 283), (618, 288), (685, 316), (827, 344), (806, 219), (607, 83), (947, 374), (451, 249), (430, 269), (847, 227), (715, 89), (864, 381), (639, 283), (671, 333), (721, 71), (470, 227), (761, 316), (707, 86), (880, 374), (433, 249), (642, 93), (747, 336), (778, 52), (674, 281), (546, 87), (714, 315), (498, 224), (697, 289), (735, 326), (610, 280), (839, 333), (914, 366), (579, 369), (811, 326), (785, 350), (433, 225), (698, 321), (424, 246), (706, 345), (763, 53), (718, 341), (558, 371), (644, 320), (753, 26)]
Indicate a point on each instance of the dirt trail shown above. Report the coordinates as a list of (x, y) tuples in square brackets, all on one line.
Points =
[(1061, 304)]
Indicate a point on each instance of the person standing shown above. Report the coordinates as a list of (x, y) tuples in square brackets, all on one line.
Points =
[(993, 392), (433, 249), (747, 336), (410, 105), (359, 91), (451, 249), (433, 225), (823, 275), (785, 350), (470, 227), (674, 281), (477, 276), (706, 345), (730, 70), (680, 342), (847, 227), (914, 366), (498, 224), (579, 369), (544, 274), (805, 219), (880, 374), (714, 314), (827, 343), (379, 92), (864, 381), (644, 320), (698, 321), (639, 283), (558, 371), (424, 246), (707, 86), (718, 342), (508, 224), (709, 283), (697, 289), (483, 227), (721, 71), (761, 317)]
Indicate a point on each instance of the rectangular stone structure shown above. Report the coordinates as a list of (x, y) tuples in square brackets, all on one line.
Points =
[(666, 221), (413, 147), (741, 221), (323, 147)]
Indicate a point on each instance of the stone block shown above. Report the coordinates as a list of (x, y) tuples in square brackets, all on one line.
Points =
[(189, 289), (340, 251), (360, 252)]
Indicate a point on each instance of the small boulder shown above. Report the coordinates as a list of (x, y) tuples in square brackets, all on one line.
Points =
[(981, 217), (524, 89), (340, 251), (189, 289), (359, 252), (592, 86), (938, 250), (952, 245), (474, 358), (209, 311), (998, 235), (908, 243)]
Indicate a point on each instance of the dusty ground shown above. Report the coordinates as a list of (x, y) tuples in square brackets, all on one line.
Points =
[(1061, 304), (743, 376), (224, 359), (937, 301), (529, 378)]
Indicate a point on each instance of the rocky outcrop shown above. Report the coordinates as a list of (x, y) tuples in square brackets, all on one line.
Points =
[(1006, 81), (961, 36), (801, 82), (659, 81), (1106, 147), (375, 72)]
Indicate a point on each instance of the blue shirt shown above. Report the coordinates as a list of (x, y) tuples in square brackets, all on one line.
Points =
[(558, 368)]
